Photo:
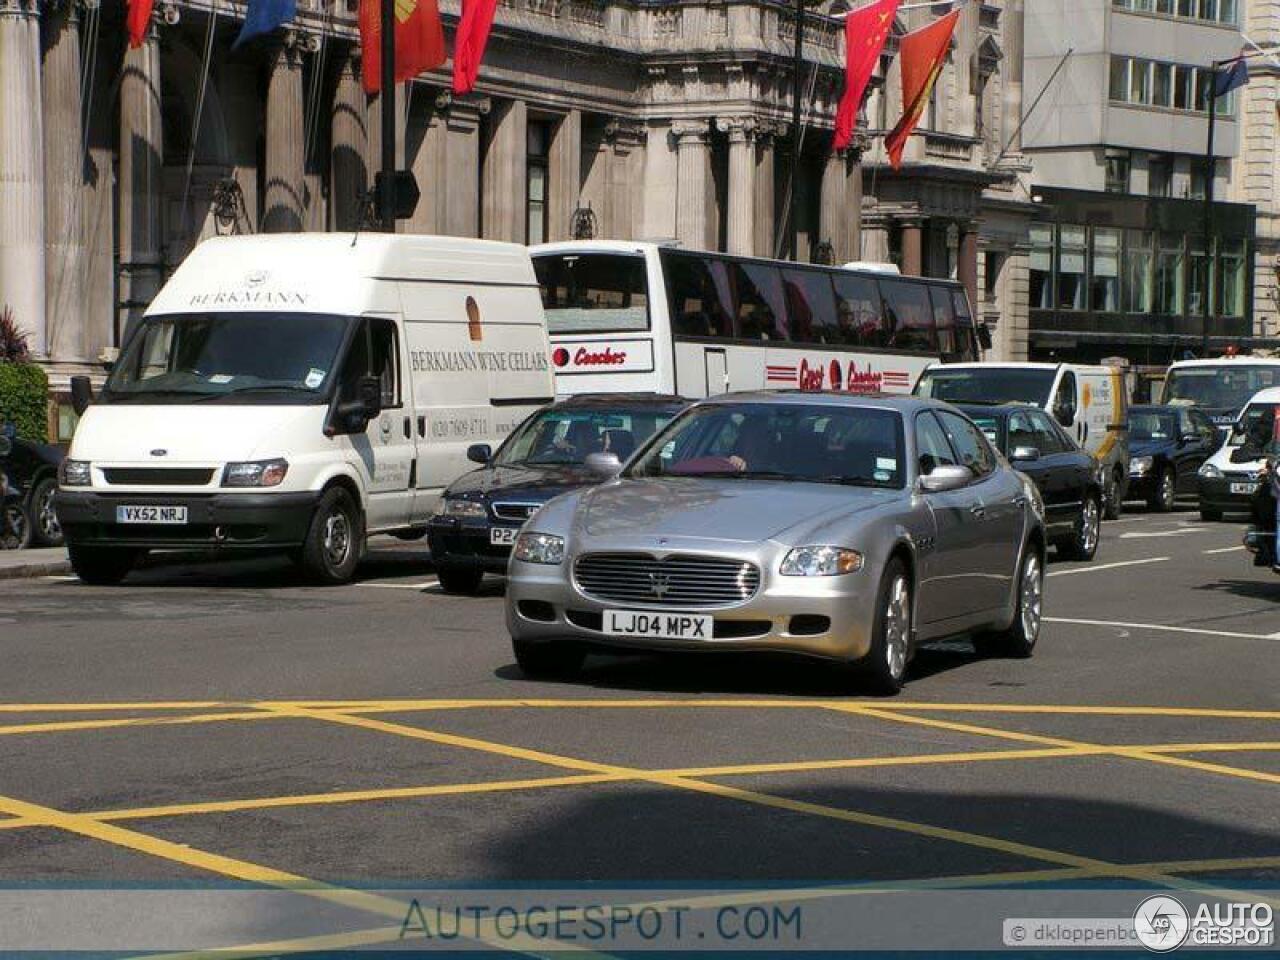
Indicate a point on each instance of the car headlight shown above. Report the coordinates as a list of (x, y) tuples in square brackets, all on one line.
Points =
[(539, 548), (1141, 465), (463, 508), (255, 473), (75, 473), (1210, 472), (820, 562)]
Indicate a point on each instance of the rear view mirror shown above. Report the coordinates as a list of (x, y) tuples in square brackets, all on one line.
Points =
[(604, 464), (1025, 454), (942, 479), (81, 394), (480, 453)]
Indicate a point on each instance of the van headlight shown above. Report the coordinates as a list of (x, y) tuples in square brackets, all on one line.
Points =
[(1210, 472), (75, 473), (255, 473), (539, 548), (820, 562), (1140, 466), (463, 508)]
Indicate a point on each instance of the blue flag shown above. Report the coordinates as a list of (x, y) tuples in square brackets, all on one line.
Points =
[(1232, 77), (263, 16)]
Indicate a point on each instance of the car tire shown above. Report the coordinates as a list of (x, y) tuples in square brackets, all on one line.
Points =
[(102, 566), (1083, 544), (45, 528), (885, 667), (1165, 494), (462, 580), (1019, 640), (1113, 497), (547, 659), (331, 550), (1210, 514), (15, 527)]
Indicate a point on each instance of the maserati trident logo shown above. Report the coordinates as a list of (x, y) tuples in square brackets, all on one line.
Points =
[(659, 584)]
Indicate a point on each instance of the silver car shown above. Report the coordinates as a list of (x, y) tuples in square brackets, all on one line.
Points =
[(847, 528)]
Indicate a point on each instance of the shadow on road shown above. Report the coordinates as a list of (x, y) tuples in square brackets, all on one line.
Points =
[(1265, 589)]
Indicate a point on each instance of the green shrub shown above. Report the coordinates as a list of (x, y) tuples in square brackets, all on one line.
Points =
[(24, 400)]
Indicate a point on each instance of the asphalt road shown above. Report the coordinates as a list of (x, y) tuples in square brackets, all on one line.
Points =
[(227, 722)]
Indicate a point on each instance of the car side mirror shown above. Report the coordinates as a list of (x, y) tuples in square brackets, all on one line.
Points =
[(1025, 454), (6, 446), (604, 464), (480, 453), (942, 479), (81, 394)]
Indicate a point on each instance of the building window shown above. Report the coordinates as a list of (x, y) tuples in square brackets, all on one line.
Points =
[(1162, 84), (992, 264), (1198, 179), (1041, 266), (1119, 163), (1160, 175), (537, 168), (1195, 278), (1167, 85), (1169, 276), (1104, 271), (1072, 248), (1211, 11), (1231, 298), (1137, 271)]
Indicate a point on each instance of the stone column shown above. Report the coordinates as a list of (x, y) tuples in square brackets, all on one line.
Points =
[(912, 246), (22, 235), (853, 208), (349, 176), (1013, 21), (284, 201), (967, 262), (874, 244), (597, 175), (832, 206), (98, 206), (764, 179), (503, 182), (566, 176), (139, 190), (462, 205), (693, 175), (742, 184), (626, 177), (64, 159)]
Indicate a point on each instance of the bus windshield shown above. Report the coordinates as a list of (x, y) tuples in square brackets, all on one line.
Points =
[(1226, 387), (987, 385), (593, 292)]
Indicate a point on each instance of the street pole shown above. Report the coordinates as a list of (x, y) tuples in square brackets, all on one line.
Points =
[(797, 85), (387, 103), (1210, 169)]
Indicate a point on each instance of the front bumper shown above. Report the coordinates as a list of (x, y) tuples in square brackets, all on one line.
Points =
[(241, 521), (465, 542), (827, 617), (1142, 486), (1216, 494)]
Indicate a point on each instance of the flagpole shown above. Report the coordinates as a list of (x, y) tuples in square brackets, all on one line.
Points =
[(797, 81), (1210, 168), (387, 103)]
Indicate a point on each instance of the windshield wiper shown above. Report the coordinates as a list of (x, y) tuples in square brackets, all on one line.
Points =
[(850, 481), (268, 388)]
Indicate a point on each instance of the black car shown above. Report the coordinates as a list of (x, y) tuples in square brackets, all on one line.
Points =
[(1167, 445), (1069, 479), (545, 456), (32, 469)]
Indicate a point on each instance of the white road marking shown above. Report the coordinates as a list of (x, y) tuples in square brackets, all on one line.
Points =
[(1225, 549), (1148, 534), (1162, 626), (1095, 568), (402, 586)]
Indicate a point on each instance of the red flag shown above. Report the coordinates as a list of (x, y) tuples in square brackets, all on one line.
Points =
[(865, 32), (921, 54), (137, 19), (468, 45), (419, 40)]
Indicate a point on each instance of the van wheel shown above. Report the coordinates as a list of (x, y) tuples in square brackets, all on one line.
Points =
[(45, 528), (1210, 514), (1113, 497), (1165, 495), (332, 548), (102, 566), (464, 580), (548, 658), (886, 665), (1019, 640)]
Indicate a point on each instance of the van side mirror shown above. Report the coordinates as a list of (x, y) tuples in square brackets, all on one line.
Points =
[(942, 479), (81, 394), (1064, 414), (1025, 455), (604, 465), (984, 336), (480, 453), (353, 414)]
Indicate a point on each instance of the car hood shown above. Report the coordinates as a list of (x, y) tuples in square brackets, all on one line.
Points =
[(522, 481), (191, 433), (711, 509)]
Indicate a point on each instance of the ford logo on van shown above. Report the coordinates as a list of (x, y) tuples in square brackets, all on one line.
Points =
[(159, 453), (255, 278)]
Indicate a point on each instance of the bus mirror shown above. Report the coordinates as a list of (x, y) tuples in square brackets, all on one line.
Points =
[(984, 336)]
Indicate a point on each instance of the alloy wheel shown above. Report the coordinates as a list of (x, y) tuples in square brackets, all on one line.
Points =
[(1090, 521), (1166, 490), (897, 627), (47, 517), (1031, 597)]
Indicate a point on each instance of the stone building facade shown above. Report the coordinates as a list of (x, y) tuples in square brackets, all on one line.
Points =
[(664, 120)]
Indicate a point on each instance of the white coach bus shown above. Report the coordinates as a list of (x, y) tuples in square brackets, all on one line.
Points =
[(627, 317)]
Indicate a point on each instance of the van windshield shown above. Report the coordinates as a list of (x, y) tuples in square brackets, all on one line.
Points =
[(1226, 387), (250, 358), (987, 385)]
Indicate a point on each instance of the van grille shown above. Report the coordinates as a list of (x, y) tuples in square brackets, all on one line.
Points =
[(159, 476), (675, 581)]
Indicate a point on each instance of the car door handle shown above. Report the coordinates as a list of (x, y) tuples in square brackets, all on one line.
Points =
[(978, 511)]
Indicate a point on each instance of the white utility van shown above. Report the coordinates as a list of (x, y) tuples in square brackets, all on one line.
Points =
[(1089, 401), (300, 392), (1226, 485)]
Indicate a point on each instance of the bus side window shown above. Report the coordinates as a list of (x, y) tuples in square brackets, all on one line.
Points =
[(700, 302), (812, 306), (945, 318), (762, 308), (966, 336), (858, 318), (911, 324)]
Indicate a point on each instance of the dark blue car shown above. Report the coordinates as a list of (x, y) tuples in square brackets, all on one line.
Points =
[(1167, 445)]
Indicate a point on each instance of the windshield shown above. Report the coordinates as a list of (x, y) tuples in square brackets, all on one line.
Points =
[(593, 292), (820, 443), (989, 425), (987, 385), (568, 436), (1248, 424), (1228, 387), (1146, 426), (251, 357)]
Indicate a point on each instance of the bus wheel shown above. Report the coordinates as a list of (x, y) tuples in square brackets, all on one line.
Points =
[(332, 548)]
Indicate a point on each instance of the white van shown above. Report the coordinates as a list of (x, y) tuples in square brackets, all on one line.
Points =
[(1228, 486), (1221, 386), (1090, 402), (300, 392)]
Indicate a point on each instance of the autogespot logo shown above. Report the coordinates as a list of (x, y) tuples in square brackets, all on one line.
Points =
[(1161, 923)]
